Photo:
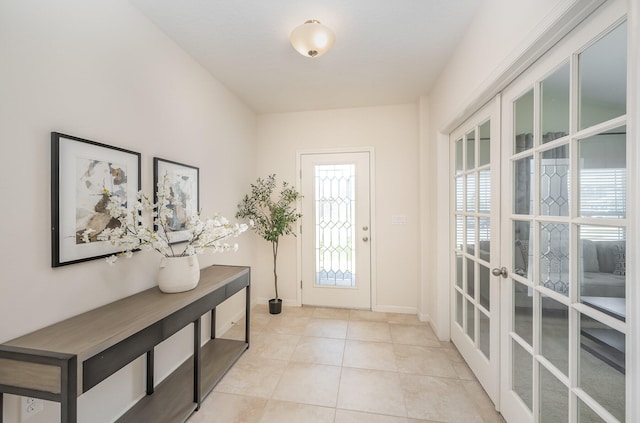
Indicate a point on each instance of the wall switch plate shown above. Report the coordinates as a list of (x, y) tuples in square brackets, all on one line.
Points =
[(30, 406)]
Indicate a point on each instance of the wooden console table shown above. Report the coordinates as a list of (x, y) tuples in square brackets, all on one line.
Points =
[(64, 360)]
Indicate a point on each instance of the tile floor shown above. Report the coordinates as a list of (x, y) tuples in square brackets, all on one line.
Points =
[(320, 365)]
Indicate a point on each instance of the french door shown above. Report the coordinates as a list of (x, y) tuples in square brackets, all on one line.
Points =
[(475, 293), (336, 229), (564, 220), (547, 336)]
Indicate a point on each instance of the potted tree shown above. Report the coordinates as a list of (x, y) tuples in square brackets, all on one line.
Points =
[(272, 215)]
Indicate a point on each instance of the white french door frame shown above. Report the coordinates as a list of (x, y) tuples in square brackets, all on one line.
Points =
[(372, 215)]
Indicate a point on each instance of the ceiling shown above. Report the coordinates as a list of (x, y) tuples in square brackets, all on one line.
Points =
[(386, 52)]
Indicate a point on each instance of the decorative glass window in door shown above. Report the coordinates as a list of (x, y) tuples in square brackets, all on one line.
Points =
[(335, 226)]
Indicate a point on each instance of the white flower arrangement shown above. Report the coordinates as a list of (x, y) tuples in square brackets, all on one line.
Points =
[(133, 234)]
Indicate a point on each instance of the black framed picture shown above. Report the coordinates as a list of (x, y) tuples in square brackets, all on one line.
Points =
[(84, 174), (182, 183)]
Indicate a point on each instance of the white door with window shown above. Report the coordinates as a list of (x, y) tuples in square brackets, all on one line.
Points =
[(336, 230), (564, 220), (476, 209)]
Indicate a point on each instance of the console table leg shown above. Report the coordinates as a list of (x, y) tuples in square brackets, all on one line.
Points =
[(150, 370), (1, 407), (247, 315), (213, 324), (68, 407), (69, 394), (197, 362)]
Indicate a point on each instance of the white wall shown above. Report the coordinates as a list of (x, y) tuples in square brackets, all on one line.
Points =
[(100, 70), (496, 37), (393, 133)]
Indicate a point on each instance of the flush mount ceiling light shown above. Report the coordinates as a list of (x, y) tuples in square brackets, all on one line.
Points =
[(312, 39)]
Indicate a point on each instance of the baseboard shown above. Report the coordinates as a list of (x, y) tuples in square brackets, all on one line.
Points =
[(395, 309)]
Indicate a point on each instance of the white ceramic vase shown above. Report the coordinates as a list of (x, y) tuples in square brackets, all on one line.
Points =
[(178, 274)]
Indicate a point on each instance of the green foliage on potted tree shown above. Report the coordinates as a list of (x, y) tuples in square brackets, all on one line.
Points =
[(271, 214)]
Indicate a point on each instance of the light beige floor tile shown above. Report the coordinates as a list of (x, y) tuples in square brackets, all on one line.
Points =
[(262, 321), (413, 335), (439, 399), (371, 391), (483, 402), (327, 328), (463, 371), (257, 378), (291, 326), (299, 368), (368, 316), (227, 408), (285, 412), (260, 309), (278, 346), (348, 416), (369, 355), (419, 360), (453, 353), (319, 351), (306, 383), (369, 331), (331, 313), (450, 346), (406, 319), (304, 311)]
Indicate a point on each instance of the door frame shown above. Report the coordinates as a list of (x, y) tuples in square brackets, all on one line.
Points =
[(372, 216)]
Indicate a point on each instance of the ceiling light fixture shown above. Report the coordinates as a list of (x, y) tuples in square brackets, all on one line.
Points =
[(312, 39)]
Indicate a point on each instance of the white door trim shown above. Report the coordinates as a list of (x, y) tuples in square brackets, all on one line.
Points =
[(372, 200)]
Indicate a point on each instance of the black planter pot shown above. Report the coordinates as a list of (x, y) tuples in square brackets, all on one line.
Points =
[(275, 306)]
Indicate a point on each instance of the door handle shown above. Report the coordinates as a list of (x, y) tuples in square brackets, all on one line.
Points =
[(365, 228), (365, 239), (500, 272)]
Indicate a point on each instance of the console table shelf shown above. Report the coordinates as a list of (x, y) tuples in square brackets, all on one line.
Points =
[(62, 361), (172, 400)]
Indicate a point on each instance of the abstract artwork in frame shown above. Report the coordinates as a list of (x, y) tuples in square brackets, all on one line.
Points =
[(183, 184), (83, 173)]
